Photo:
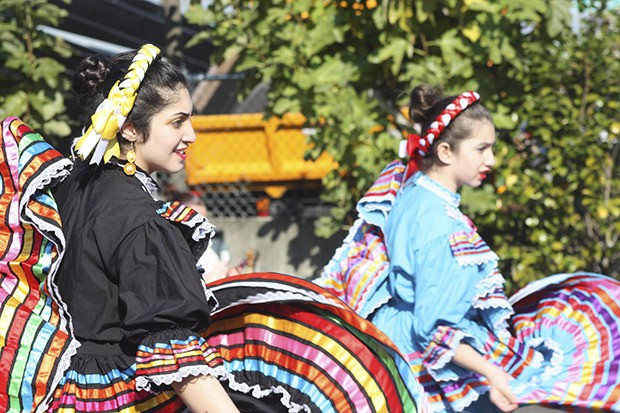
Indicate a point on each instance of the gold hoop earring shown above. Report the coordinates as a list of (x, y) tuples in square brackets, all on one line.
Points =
[(130, 168)]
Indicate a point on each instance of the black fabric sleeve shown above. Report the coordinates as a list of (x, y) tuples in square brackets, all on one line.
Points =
[(159, 285)]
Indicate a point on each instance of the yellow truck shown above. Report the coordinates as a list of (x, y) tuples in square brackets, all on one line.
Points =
[(266, 154)]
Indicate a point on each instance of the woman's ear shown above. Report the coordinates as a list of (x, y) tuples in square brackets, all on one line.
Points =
[(444, 153), (129, 132)]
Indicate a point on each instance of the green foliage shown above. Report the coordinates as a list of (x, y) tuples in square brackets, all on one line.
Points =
[(559, 204), (349, 65), (32, 80)]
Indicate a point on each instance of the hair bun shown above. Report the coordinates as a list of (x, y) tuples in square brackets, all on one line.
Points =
[(423, 99), (92, 71)]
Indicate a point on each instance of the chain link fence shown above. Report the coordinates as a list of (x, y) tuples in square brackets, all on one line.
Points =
[(241, 199), (230, 199)]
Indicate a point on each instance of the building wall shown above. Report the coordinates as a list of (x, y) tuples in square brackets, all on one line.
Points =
[(283, 245)]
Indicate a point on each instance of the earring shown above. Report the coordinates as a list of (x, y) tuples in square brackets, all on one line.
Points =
[(130, 168)]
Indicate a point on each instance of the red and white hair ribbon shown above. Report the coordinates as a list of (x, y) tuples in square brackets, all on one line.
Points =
[(416, 147)]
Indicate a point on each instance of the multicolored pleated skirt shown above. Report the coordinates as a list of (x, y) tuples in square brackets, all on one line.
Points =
[(301, 340)]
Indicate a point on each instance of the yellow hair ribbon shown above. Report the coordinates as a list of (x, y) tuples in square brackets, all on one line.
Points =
[(100, 138)]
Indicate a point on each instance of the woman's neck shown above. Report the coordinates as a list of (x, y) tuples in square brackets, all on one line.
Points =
[(442, 178)]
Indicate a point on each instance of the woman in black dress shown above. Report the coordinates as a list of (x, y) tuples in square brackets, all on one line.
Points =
[(128, 275)]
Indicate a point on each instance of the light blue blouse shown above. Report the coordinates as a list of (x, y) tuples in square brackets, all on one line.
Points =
[(443, 279)]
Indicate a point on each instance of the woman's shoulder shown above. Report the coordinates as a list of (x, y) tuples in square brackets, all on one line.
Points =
[(416, 204), (418, 217), (422, 216), (116, 190), (125, 198), (107, 196)]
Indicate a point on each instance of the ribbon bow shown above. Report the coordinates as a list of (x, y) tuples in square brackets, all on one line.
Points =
[(416, 147), (100, 137)]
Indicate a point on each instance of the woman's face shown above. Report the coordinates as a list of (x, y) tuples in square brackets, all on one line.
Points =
[(170, 134), (474, 157), (470, 162)]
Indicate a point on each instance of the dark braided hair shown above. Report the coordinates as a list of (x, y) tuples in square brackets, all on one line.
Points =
[(96, 75), (426, 103)]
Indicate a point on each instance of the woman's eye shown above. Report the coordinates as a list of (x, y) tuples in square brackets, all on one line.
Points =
[(177, 123)]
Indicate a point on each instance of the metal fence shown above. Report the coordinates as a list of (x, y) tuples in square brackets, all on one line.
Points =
[(240, 199), (230, 199)]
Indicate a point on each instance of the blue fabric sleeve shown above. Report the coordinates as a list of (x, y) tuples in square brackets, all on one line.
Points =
[(425, 273), (440, 290), (444, 290)]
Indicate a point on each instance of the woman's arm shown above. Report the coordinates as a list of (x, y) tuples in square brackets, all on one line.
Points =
[(163, 307), (501, 395), (204, 394)]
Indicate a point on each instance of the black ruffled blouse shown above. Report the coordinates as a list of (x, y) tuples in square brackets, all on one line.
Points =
[(130, 281)]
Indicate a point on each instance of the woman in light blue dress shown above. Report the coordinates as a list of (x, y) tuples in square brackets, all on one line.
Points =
[(434, 248), (416, 266)]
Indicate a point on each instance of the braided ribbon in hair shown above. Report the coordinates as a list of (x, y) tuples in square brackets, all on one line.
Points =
[(100, 138), (417, 146)]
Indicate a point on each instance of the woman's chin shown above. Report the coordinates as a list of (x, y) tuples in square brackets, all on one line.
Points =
[(476, 183), (172, 169)]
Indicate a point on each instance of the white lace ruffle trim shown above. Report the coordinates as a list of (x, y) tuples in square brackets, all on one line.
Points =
[(477, 259), (282, 293), (144, 383), (269, 297), (434, 368), (462, 404), (550, 371), (488, 285), (384, 205), (490, 282), (147, 182), (202, 228), (257, 392), (57, 171), (451, 199), (211, 298), (366, 312), (63, 366)]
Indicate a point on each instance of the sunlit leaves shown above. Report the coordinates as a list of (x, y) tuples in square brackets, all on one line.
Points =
[(33, 81), (561, 213), (349, 68)]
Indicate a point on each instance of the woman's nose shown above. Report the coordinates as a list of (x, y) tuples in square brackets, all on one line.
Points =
[(491, 161), (190, 135)]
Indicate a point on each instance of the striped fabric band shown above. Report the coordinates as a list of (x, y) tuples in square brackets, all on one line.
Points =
[(470, 249), (577, 317), (35, 337), (161, 362), (179, 213), (360, 266), (565, 353)]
